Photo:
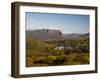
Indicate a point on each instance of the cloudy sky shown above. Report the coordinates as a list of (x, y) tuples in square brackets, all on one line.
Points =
[(67, 23)]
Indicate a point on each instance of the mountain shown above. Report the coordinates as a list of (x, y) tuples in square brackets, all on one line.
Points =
[(51, 34), (85, 36), (45, 34), (76, 35), (71, 36)]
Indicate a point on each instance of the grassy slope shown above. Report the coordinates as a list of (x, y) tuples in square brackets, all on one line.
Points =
[(40, 53)]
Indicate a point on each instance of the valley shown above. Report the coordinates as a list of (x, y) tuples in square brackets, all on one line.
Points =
[(46, 47)]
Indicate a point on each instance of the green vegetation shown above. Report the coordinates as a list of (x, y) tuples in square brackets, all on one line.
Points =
[(46, 53)]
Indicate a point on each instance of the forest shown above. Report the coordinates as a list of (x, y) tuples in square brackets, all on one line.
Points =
[(56, 52)]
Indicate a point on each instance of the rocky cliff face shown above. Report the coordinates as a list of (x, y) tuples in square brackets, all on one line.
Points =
[(45, 34)]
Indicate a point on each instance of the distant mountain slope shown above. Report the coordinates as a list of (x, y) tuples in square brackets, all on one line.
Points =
[(76, 35), (50, 34), (71, 36), (86, 36), (45, 34)]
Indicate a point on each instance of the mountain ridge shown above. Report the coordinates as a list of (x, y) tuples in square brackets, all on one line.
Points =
[(52, 34)]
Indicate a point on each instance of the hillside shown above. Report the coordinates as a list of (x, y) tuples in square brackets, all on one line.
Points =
[(45, 34), (48, 47), (50, 34), (71, 35), (84, 36)]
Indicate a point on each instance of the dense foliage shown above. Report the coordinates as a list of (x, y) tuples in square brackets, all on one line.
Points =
[(46, 53)]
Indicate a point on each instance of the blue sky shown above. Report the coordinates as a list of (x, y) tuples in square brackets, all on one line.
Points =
[(67, 23)]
